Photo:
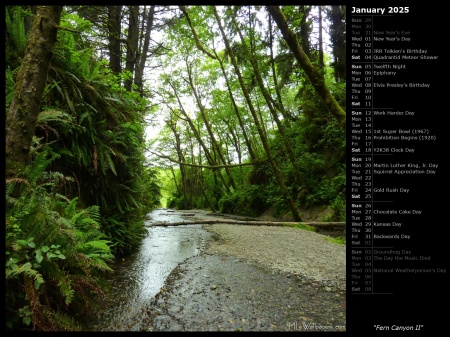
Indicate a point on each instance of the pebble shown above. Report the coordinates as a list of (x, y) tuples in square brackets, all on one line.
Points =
[(279, 280), (258, 302)]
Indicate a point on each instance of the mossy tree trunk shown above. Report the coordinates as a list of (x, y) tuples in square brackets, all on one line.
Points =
[(30, 83)]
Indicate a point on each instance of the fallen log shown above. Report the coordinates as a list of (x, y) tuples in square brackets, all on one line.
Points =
[(250, 223)]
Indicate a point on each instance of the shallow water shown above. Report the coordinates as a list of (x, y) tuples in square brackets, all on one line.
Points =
[(139, 277)]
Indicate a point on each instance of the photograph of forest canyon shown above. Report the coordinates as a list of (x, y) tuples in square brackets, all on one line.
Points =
[(175, 168)]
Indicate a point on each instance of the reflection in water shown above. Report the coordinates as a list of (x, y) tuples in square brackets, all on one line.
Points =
[(140, 277)]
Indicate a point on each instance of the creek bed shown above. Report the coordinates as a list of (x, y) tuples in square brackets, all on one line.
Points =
[(226, 278), (139, 277)]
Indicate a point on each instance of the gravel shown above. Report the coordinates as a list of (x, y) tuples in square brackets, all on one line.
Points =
[(293, 251), (254, 278)]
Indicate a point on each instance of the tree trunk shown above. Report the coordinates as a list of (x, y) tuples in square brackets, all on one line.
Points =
[(181, 159), (314, 76), (132, 44), (30, 83), (140, 65), (321, 61), (207, 199), (279, 104), (114, 31), (233, 138), (236, 111), (305, 29), (337, 36)]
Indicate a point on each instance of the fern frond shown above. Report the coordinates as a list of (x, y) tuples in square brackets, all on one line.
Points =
[(99, 262), (64, 322), (111, 164), (54, 115), (9, 85), (94, 213), (92, 89), (16, 29), (80, 215), (26, 269), (64, 285), (39, 165), (102, 245), (69, 100), (17, 180), (71, 207)]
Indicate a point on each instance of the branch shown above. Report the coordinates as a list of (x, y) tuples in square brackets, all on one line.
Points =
[(68, 29), (197, 41), (206, 166)]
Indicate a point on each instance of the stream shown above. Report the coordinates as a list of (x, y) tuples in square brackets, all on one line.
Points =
[(173, 283), (139, 277)]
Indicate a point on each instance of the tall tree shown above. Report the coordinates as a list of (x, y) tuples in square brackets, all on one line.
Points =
[(143, 50), (316, 79), (197, 135), (279, 102), (276, 171), (337, 36), (172, 125), (114, 33), (214, 56), (207, 124), (305, 29), (321, 61), (30, 83), (251, 152), (132, 44), (269, 100)]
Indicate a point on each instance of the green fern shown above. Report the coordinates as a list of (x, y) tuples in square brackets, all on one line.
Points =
[(111, 164), (9, 85), (40, 164), (50, 240), (25, 269), (54, 115), (102, 245), (94, 213), (16, 27), (65, 287), (64, 322)]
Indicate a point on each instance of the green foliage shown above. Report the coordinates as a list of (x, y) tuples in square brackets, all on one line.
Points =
[(249, 200), (53, 249), (97, 129), (65, 322), (9, 86), (16, 38), (302, 226), (313, 173), (340, 240), (176, 202), (339, 209)]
